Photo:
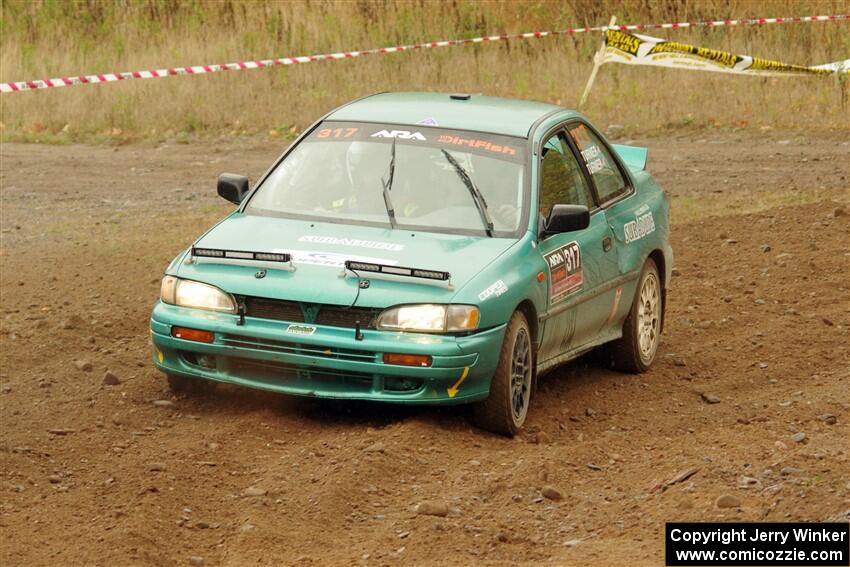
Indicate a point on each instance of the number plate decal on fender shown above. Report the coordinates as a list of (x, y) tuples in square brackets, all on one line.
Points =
[(565, 275)]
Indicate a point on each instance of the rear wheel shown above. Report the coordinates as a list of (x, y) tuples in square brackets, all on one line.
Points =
[(635, 351), (505, 410)]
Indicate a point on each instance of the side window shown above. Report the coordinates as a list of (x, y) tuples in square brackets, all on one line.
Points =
[(561, 178), (601, 165)]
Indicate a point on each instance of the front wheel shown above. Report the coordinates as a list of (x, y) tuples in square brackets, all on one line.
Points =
[(505, 410), (635, 351)]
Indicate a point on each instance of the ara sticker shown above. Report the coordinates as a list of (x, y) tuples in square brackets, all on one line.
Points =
[(642, 225), (400, 134), (565, 274), (301, 329), (494, 290), (427, 122)]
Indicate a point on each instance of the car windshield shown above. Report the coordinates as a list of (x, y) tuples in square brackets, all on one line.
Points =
[(339, 173)]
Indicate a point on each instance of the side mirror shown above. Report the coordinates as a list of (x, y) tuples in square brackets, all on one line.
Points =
[(566, 218), (232, 187)]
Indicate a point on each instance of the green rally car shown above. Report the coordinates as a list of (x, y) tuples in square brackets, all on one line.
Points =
[(424, 248)]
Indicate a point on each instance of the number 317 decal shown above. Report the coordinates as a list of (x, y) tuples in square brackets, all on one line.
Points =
[(336, 132), (565, 272)]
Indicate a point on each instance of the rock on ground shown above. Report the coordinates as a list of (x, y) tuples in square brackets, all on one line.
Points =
[(432, 508), (727, 501)]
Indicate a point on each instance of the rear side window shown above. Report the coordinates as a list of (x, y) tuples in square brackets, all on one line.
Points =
[(600, 163)]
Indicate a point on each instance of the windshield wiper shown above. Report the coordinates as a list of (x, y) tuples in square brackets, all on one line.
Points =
[(477, 197), (388, 184)]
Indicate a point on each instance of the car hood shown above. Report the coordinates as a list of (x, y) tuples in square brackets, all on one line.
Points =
[(319, 250)]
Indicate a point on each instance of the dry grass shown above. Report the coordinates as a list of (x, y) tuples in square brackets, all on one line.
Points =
[(44, 38), (687, 208)]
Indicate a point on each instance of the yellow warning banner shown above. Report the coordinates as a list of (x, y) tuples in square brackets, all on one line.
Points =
[(634, 49)]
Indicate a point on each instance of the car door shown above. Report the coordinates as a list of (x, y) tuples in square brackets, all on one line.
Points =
[(579, 263), (613, 191)]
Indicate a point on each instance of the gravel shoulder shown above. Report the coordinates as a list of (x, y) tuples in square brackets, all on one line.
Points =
[(744, 418)]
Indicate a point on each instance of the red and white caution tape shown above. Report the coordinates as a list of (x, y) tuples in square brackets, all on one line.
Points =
[(724, 23), (259, 64)]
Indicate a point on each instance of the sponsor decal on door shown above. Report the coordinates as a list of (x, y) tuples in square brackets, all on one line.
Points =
[(643, 225)]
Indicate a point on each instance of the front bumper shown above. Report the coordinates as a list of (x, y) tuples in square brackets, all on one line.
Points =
[(328, 363)]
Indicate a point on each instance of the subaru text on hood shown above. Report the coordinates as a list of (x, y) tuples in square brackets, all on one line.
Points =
[(424, 248)]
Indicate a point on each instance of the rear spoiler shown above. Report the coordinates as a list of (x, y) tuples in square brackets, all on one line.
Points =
[(634, 156)]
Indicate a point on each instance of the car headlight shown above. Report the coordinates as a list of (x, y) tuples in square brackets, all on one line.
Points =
[(188, 293), (430, 318)]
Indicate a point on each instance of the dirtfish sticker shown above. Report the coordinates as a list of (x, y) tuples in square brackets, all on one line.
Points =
[(427, 122), (565, 273), (400, 134), (494, 290), (476, 144), (642, 225)]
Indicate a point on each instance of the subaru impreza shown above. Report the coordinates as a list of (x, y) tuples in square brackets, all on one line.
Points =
[(421, 248)]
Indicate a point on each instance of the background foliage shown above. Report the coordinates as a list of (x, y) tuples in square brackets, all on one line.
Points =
[(50, 38)]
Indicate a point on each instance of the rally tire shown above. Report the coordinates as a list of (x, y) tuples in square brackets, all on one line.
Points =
[(505, 410), (636, 350)]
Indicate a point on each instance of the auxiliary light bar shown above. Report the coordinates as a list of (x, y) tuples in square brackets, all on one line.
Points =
[(397, 270), (241, 255)]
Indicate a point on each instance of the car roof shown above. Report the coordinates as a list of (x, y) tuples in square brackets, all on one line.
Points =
[(511, 117)]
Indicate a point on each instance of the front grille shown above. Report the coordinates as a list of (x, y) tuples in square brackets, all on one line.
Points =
[(335, 316), (268, 369), (330, 315), (273, 309), (288, 347)]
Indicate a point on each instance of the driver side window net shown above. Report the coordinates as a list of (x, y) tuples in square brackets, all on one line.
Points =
[(601, 165), (561, 179)]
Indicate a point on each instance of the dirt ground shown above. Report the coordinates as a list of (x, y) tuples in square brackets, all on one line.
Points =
[(756, 351)]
